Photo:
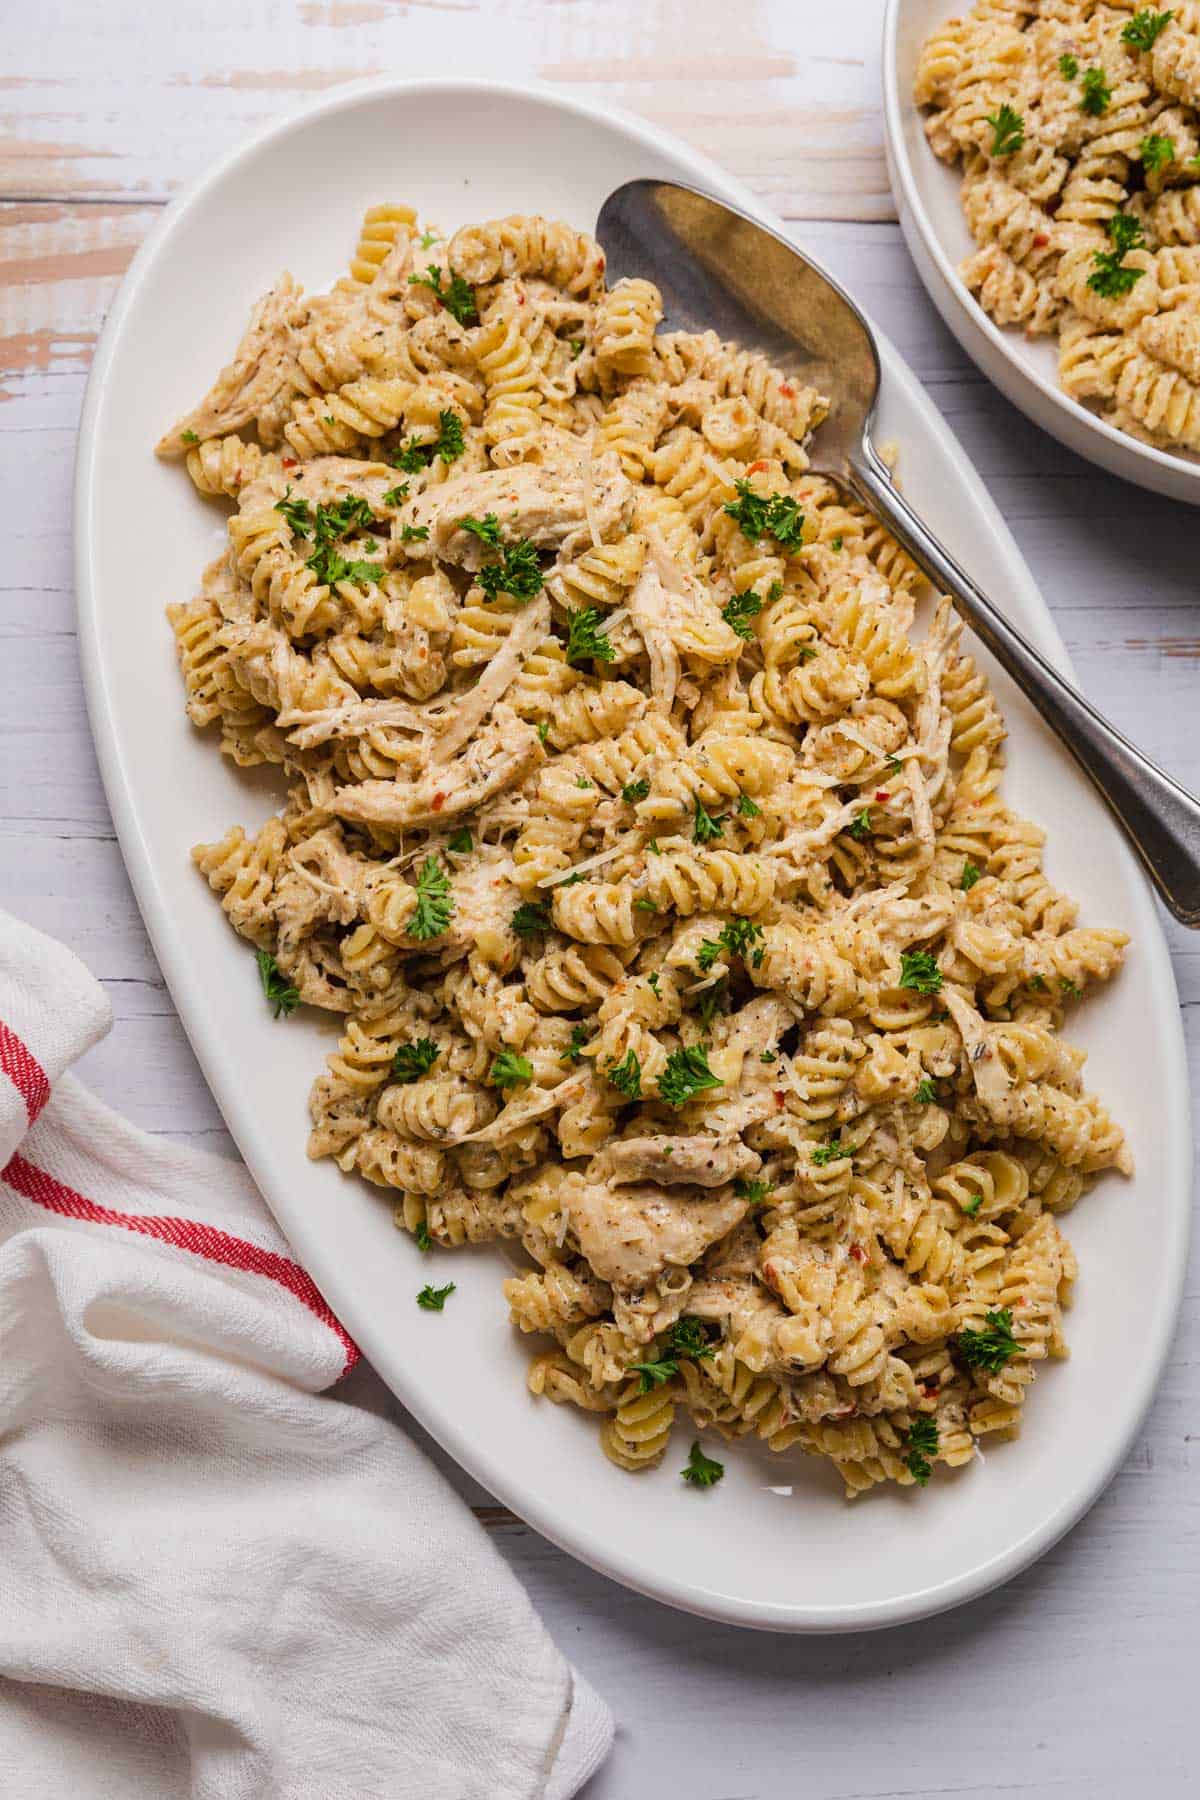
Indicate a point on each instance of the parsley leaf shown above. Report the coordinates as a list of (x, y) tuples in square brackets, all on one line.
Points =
[(739, 612), (435, 907), (970, 875), (411, 1061), (747, 809), (686, 1338), (1070, 990), (992, 1348), (921, 1439), (530, 917), (449, 445), (633, 791), (396, 496), (741, 937), (585, 639), (626, 1076), (972, 1206), (772, 515), (579, 1037), (458, 299), (919, 971), (1157, 151), (1142, 30), (414, 534), (1110, 278), (434, 1299), (705, 827), (297, 513), (754, 1191), (831, 1151), (510, 1070), (543, 730), (460, 843), (710, 1001), (653, 1374), (517, 573), (702, 1471), (275, 985), (190, 437), (428, 239), (1096, 93), (1008, 131), (926, 1092), (1068, 67), (423, 1240), (861, 828), (687, 1074), (487, 529), (645, 904)]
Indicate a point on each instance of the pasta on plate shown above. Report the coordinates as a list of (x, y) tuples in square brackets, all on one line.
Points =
[(661, 874), (1077, 128)]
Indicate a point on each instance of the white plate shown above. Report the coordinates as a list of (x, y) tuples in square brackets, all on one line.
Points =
[(1025, 369), (774, 1545)]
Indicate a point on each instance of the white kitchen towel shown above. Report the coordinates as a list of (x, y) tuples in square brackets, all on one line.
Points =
[(215, 1581)]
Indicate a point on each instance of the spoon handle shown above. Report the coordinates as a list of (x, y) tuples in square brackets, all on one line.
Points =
[(1160, 818)]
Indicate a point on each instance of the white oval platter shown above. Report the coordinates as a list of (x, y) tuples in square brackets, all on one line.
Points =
[(774, 1545)]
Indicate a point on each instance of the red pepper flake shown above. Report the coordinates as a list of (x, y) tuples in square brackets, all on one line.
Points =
[(930, 1390), (882, 794), (289, 462), (858, 1253), (439, 800), (1041, 239), (785, 387), (756, 468), (779, 1097)]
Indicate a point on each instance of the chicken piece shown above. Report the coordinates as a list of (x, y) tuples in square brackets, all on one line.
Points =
[(501, 755), (554, 506), (706, 1162), (251, 387), (630, 1234)]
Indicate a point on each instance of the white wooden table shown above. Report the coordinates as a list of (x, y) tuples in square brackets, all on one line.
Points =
[(1076, 1680)]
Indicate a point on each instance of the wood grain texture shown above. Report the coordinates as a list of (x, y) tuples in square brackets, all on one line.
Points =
[(1074, 1681)]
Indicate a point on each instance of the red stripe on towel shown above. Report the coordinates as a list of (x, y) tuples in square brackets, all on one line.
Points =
[(208, 1241), (24, 1071)]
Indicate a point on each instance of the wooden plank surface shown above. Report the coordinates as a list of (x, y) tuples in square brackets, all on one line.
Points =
[(1075, 1680)]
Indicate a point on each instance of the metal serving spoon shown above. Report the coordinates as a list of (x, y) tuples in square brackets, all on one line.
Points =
[(717, 268)]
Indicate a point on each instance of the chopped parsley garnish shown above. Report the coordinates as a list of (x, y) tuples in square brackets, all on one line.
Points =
[(423, 1239), (573, 1051), (1141, 33), (449, 445), (531, 917), (458, 299), (921, 1439), (710, 1001), (926, 1092), (326, 527), (705, 827), (543, 729), (1008, 130), (433, 1299), (428, 239), (831, 1151), (653, 1374), (741, 937), (687, 1074), (739, 612), (645, 904), (396, 496), (626, 1076), (836, 543), (297, 513), (190, 437), (1068, 66), (411, 1061), (576, 347), (581, 781), (894, 765), (1096, 93), (517, 573), (1110, 278), (1070, 990), (278, 989), (747, 809), (510, 1070), (861, 828), (1038, 982), (972, 1206), (685, 1339), (652, 982), (435, 907), (702, 1471), (460, 843), (754, 1191), (414, 534), (633, 791), (771, 515), (586, 641), (992, 1348), (487, 529), (767, 1056), (1157, 151), (919, 971), (970, 875)]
